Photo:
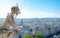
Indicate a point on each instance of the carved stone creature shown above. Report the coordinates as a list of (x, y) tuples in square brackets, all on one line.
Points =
[(9, 21)]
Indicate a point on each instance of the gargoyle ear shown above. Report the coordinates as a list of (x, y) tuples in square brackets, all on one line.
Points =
[(16, 4), (18, 7)]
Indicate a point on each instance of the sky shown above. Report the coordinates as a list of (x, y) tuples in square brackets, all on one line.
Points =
[(32, 8)]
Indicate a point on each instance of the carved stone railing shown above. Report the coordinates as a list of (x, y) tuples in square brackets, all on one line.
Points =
[(7, 34)]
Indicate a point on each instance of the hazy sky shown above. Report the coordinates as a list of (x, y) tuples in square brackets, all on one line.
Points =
[(32, 8)]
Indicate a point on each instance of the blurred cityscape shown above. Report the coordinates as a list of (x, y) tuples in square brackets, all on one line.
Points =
[(46, 26)]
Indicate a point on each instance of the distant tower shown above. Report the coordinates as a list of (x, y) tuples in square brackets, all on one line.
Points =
[(21, 22), (55, 30), (34, 29), (48, 29)]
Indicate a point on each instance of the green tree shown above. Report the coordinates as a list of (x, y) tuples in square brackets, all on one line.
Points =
[(27, 36), (40, 35)]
